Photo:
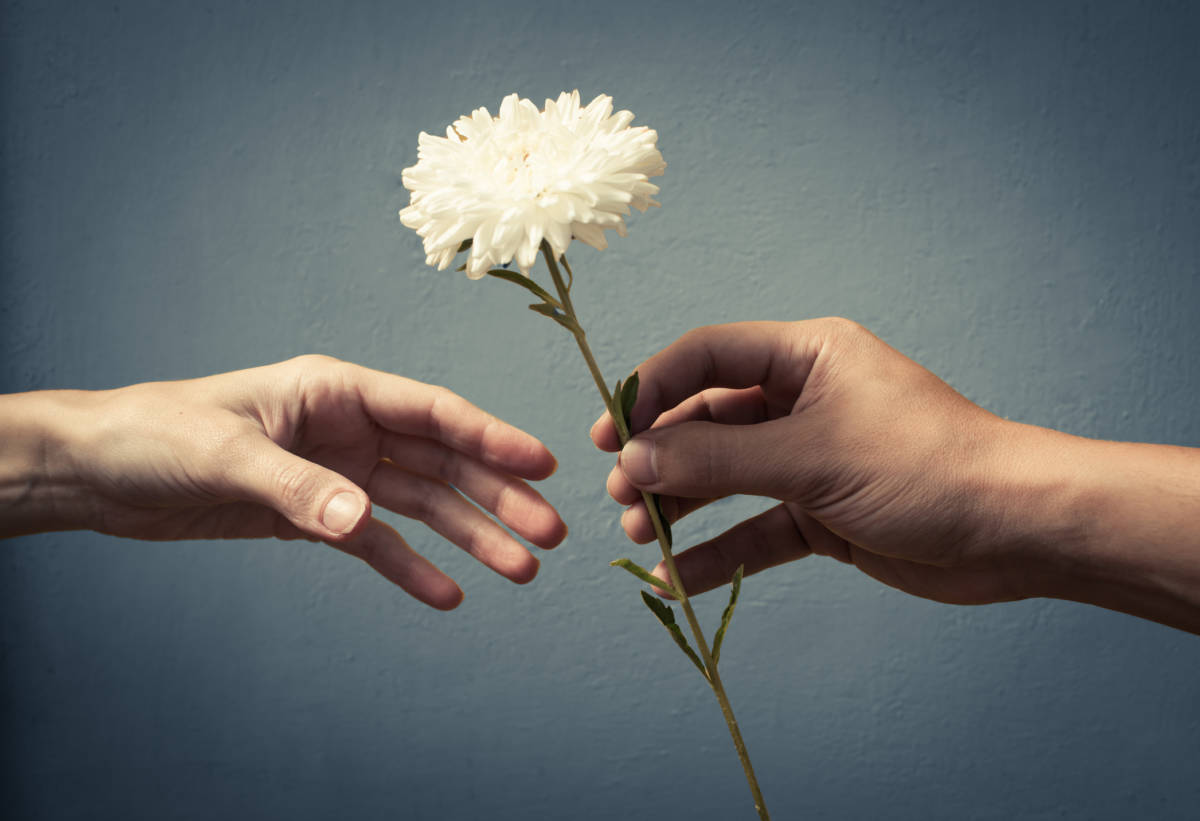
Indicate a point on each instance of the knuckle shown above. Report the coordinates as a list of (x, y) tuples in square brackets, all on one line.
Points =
[(447, 466), (841, 326), (313, 361), (697, 334), (477, 541), (313, 370), (512, 501), (441, 410), (423, 500), (713, 467), (295, 484), (490, 433)]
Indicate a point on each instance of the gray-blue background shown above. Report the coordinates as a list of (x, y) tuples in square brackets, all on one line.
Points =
[(1010, 194)]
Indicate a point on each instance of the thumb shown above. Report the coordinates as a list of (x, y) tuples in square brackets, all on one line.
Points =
[(318, 501), (710, 460)]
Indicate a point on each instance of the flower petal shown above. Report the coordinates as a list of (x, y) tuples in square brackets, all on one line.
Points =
[(508, 182)]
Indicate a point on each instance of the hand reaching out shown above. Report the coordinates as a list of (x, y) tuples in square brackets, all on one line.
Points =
[(299, 449)]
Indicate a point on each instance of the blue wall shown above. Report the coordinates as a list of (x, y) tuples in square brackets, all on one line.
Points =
[(1008, 192)]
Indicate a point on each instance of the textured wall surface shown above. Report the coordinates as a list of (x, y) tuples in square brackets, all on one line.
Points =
[(1009, 194)]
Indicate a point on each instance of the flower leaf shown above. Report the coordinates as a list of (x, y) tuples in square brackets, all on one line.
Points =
[(646, 576), (662, 517), (666, 615), (466, 243), (526, 283), (734, 589), (546, 309), (615, 410), (628, 398)]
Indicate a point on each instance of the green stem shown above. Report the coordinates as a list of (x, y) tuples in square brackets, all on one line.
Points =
[(714, 678)]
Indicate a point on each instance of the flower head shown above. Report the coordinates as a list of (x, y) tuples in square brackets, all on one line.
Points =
[(510, 181)]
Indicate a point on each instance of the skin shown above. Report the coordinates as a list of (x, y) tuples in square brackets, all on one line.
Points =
[(265, 452), (878, 463)]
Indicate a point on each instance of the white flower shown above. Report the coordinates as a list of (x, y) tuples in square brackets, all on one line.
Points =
[(509, 181)]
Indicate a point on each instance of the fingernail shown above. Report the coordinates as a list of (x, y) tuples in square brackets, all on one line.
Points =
[(637, 460), (342, 512)]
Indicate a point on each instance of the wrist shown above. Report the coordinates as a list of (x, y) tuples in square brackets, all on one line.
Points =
[(40, 489), (1025, 508), (1113, 524)]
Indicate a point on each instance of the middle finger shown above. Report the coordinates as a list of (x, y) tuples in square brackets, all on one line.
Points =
[(446, 512)]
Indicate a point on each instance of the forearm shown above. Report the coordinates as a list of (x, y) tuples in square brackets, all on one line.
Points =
[(1123, 523), (38, 491)]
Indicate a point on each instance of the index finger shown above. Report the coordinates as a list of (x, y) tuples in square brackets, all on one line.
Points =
[(775, 355), (407, 406)]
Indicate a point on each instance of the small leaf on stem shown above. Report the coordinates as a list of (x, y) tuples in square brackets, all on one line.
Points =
[(646, 576), (614, 410), (526, 283), (666, 615), (734, 589), (628, 398), (466, 243), (562, 319)]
